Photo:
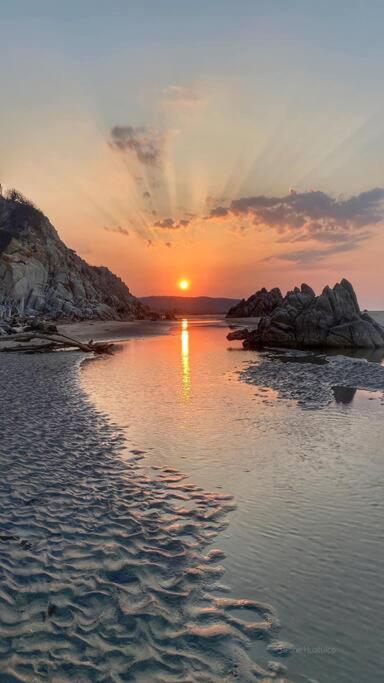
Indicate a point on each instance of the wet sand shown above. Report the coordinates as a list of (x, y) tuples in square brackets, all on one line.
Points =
[(117, 330), (105, 572)]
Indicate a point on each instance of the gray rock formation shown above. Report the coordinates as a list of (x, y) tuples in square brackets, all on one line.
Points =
[(39, 275), (261, 303), (305, 320), (238, 334)]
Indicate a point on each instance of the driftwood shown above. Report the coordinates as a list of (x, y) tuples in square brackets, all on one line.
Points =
[(54, 342)]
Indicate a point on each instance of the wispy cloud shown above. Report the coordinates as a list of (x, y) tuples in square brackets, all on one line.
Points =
[(170, 224), (305, 257), (118, 228), (180, 96)]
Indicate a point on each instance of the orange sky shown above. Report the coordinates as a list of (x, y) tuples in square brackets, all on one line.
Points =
[(240, 164), (99, 205)]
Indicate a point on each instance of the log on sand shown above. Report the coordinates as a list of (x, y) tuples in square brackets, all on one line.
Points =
[(53, 342)]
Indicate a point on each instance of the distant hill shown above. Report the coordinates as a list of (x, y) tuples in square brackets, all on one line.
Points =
[(189, 305)]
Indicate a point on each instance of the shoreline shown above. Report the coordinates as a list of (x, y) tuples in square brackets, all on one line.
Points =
[(118, 330), (114, 330)]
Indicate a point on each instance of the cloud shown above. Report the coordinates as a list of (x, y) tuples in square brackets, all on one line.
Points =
[(219, 212), (338, 223), (118, 229), (180, 96), (315, 211), (170, 224), (146, 144), (313, 215), (307, 256)]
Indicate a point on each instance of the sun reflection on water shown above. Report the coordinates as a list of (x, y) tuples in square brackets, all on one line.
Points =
[(185, 366)]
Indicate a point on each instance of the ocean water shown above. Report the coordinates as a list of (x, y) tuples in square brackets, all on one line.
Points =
[(187, 511), (307, 533)]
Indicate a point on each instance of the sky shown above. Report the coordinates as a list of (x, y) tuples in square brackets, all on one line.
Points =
[(236, 144)]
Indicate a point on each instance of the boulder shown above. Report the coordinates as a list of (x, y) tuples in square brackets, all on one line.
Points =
[(304, 320), (238, 334), (261, 303)]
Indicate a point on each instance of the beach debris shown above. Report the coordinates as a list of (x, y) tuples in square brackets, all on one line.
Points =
[(36, 341)]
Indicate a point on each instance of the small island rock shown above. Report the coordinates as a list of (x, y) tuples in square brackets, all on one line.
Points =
[(303, 320)]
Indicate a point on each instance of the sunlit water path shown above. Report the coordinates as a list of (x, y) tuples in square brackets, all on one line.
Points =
[(307, 533)]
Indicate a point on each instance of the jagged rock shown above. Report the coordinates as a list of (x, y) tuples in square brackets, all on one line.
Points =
[(332, 319), (261, 303), (238, 334), (39, 275)]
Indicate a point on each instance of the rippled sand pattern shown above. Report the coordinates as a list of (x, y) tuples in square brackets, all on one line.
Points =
[(104, 570)]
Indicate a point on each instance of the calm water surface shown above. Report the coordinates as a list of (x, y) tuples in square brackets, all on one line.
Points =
[(307, 533)]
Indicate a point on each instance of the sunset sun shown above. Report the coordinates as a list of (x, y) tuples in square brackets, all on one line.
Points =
[(184, 284)]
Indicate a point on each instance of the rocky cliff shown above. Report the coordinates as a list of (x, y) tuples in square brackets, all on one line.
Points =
[(261, 303), (304, 320), (39, 275)]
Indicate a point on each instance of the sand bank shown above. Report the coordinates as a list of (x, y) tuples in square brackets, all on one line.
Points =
[(114, 330)]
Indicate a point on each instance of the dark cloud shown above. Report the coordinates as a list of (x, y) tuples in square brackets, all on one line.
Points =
[(167, 223), (170, 224), (314, 215), (219, 212), (147, 144), (118, 229)]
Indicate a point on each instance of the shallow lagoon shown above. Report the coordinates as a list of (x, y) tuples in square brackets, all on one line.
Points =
[(307, 533)]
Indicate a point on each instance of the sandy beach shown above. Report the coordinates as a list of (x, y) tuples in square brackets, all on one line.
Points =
[(114, 330)]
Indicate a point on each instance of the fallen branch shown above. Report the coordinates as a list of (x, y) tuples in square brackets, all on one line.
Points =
[(31, 348), (55, 342)]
